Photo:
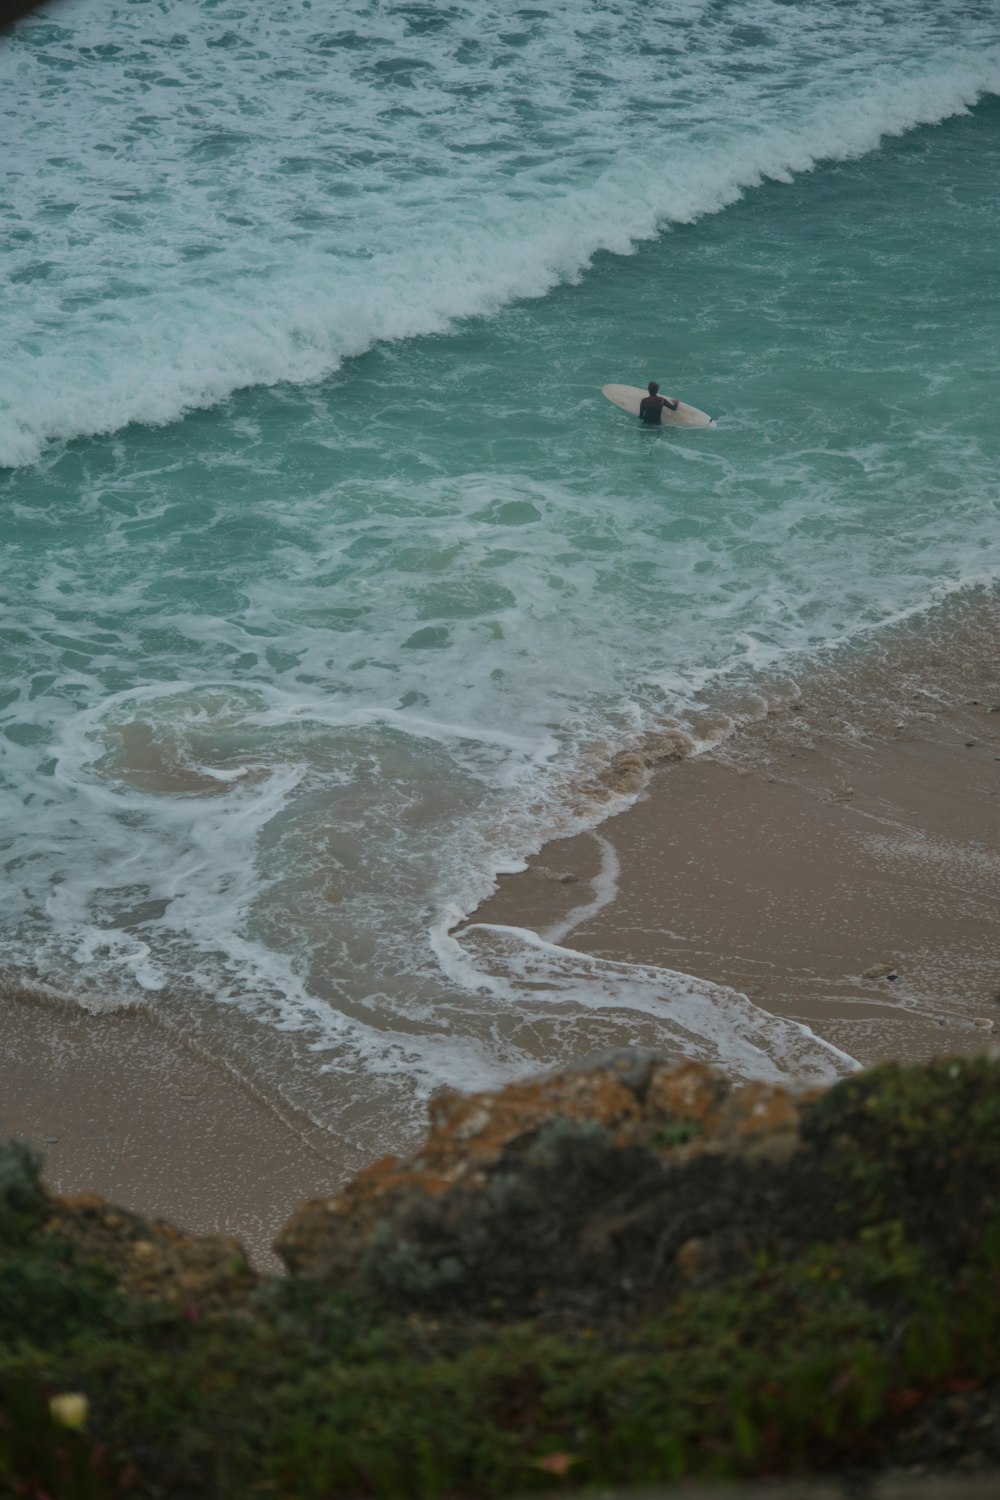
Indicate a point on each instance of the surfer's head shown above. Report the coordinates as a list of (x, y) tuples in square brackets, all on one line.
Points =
[(653, 387)]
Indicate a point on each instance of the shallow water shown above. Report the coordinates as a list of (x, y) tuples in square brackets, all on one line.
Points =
[(329, 577)]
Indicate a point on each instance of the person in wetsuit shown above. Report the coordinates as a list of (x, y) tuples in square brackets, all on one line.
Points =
[(651, 406)]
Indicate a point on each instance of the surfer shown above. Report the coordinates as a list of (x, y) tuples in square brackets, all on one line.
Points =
[(651, 406)]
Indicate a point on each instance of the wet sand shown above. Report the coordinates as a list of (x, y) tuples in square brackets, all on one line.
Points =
[(852, 827), (835, 857), (119, 1107)]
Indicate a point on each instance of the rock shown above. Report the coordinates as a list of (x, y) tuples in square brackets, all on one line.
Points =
[(881, 971), (759, 1121), (467, 1136), (477, 1213), (689, 1093), (602, 1191), (153, 1259), (690, 1258), (632, 1066), (564, 877), (984, 1022)]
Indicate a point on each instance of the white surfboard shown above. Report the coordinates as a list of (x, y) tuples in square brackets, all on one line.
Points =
[(629, 396)]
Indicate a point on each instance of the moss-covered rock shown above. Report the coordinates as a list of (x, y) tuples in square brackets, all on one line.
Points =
[(609, 1188)]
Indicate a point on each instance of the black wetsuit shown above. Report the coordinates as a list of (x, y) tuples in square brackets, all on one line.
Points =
[(651, 409)]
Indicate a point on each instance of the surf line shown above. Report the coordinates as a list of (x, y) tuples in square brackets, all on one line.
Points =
[(709, 1022)]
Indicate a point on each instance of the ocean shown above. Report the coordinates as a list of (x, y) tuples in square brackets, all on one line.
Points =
[(330, 580)]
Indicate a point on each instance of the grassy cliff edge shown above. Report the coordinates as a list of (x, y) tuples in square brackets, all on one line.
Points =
[(624, 1273)]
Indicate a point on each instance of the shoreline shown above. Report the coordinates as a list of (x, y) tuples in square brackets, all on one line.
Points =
[(852, 826)]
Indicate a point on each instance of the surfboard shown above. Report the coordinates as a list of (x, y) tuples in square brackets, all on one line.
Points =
[(629, 396)]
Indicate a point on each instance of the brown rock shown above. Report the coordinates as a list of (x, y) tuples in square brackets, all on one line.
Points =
[(759, 1120), (692, 1093), (468, 1133), (690, 1257), (606, 1188), (634, 1096), (154, 1259)]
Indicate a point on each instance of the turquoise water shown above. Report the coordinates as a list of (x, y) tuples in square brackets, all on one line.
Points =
[(330, 577)]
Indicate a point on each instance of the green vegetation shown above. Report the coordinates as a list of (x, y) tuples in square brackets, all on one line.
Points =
[(799, 1363), (678, 1133)]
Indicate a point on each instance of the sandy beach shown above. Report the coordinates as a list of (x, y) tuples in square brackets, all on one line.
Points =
[(119, 1107), (835, 857)]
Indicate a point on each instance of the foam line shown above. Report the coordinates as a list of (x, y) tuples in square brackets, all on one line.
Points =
[(696, 1019), (604, 886)]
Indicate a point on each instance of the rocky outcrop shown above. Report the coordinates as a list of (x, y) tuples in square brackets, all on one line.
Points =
[(612, 1179), (608, 1188), (151, 1258)]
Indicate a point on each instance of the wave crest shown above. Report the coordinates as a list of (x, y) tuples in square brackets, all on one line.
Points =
[(292, 217)]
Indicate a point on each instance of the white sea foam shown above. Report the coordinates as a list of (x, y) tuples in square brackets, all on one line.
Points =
[(210, 200), (604, 887), (692, 1018)]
